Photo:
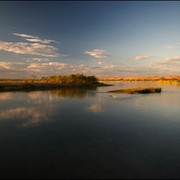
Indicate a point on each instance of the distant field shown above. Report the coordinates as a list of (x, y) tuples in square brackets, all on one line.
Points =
[(157, 79)]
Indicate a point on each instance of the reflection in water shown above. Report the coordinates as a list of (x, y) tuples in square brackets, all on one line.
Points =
[(6, 95), (96, 107), (140, 104), (88, 133), (41, 97), (27, 117), (44, 97), (41, 105), (73, 92), (167, 114)]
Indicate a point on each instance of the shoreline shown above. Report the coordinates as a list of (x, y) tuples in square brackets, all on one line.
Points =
[(173, 82), (11, 87)]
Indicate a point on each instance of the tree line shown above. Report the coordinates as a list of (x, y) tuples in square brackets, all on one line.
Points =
[(74, 79)]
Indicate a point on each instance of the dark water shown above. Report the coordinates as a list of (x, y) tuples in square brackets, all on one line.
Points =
[(88, 133)]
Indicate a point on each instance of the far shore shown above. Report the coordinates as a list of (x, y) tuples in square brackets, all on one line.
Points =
[(157, 79)]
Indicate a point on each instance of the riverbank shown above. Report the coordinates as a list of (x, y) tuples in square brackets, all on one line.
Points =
[(43, 86), (51, 82)]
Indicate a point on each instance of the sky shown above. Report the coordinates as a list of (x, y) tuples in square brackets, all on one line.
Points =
[(101, 38)]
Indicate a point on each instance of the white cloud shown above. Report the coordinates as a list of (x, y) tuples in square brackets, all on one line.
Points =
[(24, 35), (30, 48), (170, 47), (9, 65), (142, 57), (36, 59), (169, 61), (97, 53), (109, 67), (46, 68), (99, 62), (5, 65), (34, 38), (40, 69), (175, 58), (46, 41), (170, 64)]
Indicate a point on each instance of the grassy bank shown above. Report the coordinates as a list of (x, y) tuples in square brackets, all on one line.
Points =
[(144, 90)]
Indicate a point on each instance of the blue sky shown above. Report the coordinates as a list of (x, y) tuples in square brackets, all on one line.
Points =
[(106, 39)]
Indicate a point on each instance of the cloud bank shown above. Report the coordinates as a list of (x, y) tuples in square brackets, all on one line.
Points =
[(40, 69), (170, 64)]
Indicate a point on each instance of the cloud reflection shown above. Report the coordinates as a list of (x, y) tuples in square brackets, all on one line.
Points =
[(39, 106), (41, 97), (97, 107), (6, 96), (26, 116)]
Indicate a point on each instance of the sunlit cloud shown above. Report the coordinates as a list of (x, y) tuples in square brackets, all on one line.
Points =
[(98, 53), (175, 58), (24, 35), (34, 38), (137, 58), (40, 69), (5, 65), (46, 67), (9, 65), (99, 62), (170, 47), (30, 48), (109, 67), (46, 41), (168, 62), (36, 59)]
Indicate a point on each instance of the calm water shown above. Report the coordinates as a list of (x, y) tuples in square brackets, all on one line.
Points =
[(88, 133)]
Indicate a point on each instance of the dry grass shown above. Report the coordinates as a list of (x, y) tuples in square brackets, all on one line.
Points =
[(157, 79)]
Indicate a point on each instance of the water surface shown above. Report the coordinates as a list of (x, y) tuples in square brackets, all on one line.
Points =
[(89, 133)]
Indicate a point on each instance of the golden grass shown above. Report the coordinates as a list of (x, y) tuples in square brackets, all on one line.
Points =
[(156, 79)]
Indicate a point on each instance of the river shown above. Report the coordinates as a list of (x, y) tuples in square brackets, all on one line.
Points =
[(89, 133)]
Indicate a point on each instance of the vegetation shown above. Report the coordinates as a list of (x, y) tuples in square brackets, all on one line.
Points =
[(144, 90), (156, 79), (51, 82)]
